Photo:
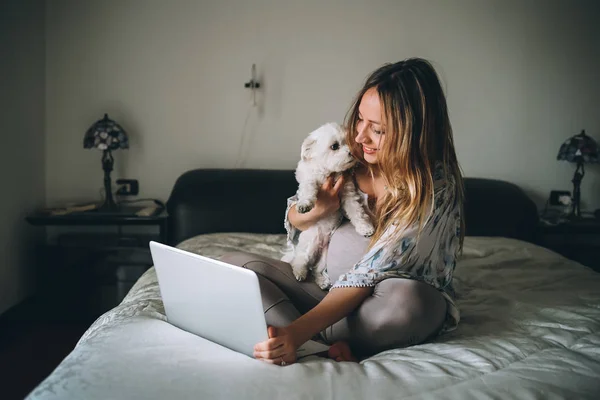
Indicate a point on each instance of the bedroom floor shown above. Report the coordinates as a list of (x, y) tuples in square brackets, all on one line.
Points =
[(30, 349)]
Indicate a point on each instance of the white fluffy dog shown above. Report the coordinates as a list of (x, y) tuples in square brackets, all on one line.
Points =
[(324, 152)]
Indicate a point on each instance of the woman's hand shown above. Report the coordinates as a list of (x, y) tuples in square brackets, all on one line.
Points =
[(328, 197), (283, 342), (280, 349), (328, 201)]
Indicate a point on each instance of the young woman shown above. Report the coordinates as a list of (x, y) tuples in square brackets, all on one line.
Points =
[(395, 288)]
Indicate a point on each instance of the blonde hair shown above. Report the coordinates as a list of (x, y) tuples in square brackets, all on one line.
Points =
[(418, 134)]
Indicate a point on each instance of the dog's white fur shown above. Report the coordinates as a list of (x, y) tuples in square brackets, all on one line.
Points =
[(324, 152)]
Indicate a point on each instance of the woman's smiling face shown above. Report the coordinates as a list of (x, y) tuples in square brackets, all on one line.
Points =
[(370, 132)]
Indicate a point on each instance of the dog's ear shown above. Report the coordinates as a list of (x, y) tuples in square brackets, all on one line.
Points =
[(307, 148)]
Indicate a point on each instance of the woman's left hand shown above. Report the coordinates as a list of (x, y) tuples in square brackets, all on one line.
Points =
[(280, 349)]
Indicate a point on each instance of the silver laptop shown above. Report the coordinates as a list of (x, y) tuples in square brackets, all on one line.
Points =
[(215, 300)]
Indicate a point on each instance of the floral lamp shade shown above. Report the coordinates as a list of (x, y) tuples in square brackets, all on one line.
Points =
[(106, 134), (579, 148)]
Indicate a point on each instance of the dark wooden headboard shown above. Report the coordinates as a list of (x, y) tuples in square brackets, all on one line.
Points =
[(251, 200)]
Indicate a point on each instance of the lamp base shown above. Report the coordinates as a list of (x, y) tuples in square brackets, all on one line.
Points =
[(108, 206), (107, 165), (577, 178)]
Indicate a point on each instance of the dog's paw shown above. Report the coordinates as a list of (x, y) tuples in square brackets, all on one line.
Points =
[(304, 206), (300, 272), (300, 275), (366, 230), (369, 233), (322, 281)]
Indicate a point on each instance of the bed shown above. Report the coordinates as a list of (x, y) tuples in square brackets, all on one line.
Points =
[(530, 325)]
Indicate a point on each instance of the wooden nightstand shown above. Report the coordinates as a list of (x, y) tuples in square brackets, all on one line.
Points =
[(81, 275), (578, 240)]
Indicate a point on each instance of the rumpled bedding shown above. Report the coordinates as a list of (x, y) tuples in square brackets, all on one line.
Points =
[(530, 329)]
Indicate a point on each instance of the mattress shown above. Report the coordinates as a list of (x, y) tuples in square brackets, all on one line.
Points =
[(530, 329)]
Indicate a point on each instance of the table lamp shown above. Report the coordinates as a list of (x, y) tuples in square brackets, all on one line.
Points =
[(106, 135), (580, 149)]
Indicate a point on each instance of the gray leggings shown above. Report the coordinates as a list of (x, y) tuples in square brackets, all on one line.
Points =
[(400, 312)]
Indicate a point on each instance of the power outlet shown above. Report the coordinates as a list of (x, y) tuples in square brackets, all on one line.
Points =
[(128, 187)]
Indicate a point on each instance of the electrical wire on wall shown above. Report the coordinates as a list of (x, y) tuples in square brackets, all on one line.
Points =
[(243, 146), (247, 135)]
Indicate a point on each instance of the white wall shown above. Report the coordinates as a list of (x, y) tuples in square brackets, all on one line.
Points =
[(521, 76), (22, 143)]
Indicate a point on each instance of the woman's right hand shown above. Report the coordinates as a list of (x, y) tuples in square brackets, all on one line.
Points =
[(328, 197), (328, 202)]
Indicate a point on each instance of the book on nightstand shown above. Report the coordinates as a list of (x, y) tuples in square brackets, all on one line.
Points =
[(70, 208)]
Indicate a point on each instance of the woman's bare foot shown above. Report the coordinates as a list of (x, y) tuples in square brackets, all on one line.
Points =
[(340, 351)]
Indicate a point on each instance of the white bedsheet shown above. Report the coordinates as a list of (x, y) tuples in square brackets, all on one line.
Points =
[(530, 329)]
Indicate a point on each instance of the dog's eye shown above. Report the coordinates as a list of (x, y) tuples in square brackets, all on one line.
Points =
[(335, 146)]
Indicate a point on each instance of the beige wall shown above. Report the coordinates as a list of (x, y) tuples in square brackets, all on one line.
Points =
[(22, 143), (521, 76)]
